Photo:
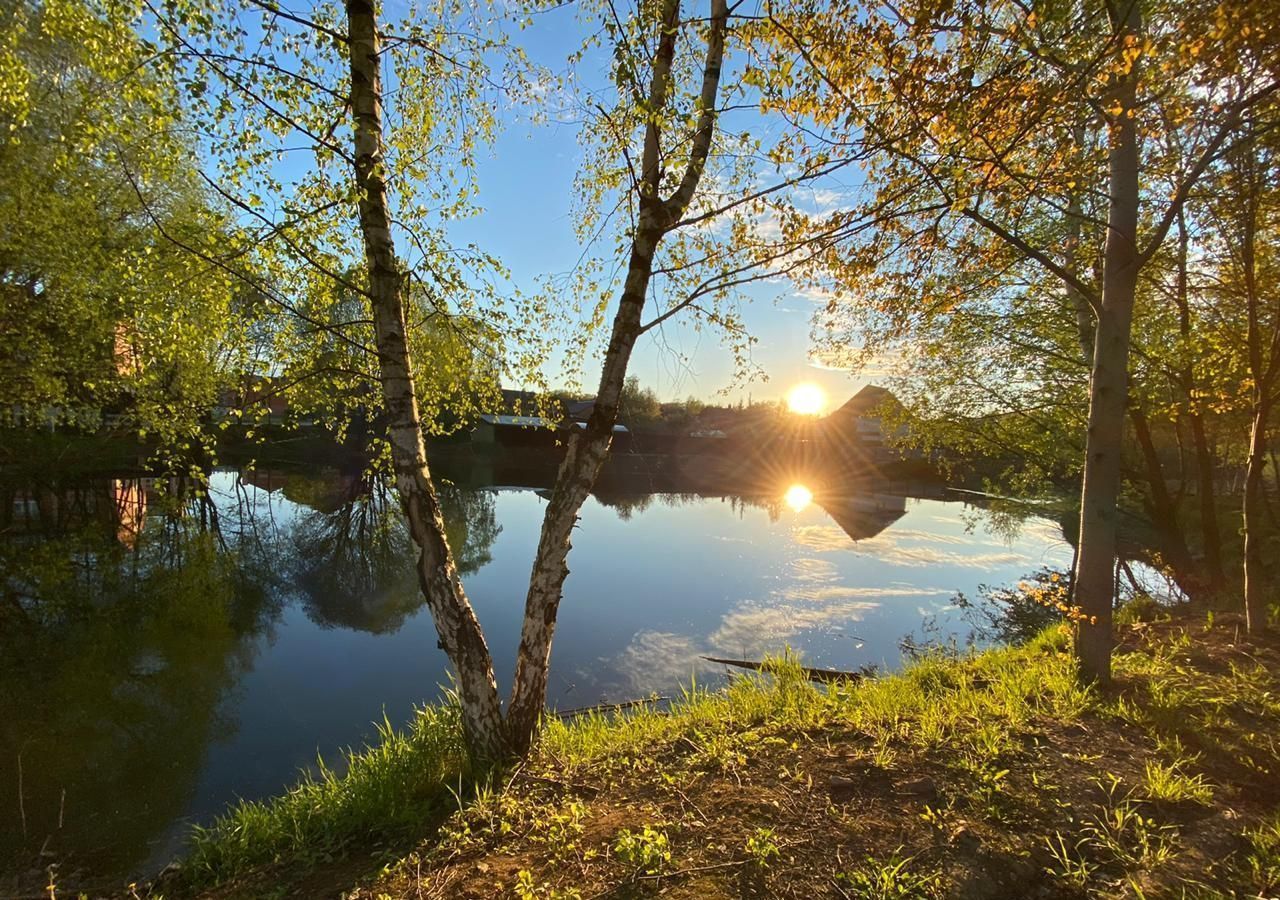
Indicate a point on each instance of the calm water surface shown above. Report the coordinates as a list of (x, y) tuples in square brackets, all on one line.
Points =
[(164, 658)]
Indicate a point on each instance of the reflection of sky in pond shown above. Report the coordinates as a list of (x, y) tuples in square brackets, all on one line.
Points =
[(656, 581), (647, 595)]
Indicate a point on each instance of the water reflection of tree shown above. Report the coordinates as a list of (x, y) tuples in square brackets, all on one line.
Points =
[(114, 655), (353, 560), (1009, 615)]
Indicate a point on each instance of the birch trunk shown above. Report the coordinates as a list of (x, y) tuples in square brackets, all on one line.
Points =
[(587, 450), (1109, 381), (455, 620)]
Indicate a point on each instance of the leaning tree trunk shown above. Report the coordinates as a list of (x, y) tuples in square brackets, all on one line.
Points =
[(1109, 382), (583, 460), (587, 450), (455, 620)]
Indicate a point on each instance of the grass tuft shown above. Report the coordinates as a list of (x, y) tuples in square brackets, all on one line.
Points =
[(896, 878), (1168, 783), (391, 787)]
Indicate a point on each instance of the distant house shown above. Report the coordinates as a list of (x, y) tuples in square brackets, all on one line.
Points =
[(526, 403), (513, 430), (258, 394), (862, 416), (529, 420), (618, 427), (715, 422), (580, 410)]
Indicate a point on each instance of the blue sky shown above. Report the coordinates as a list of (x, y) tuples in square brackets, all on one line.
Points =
[(526, 190)]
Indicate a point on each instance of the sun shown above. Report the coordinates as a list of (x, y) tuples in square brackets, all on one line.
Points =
[(807, 399), (798, 497)]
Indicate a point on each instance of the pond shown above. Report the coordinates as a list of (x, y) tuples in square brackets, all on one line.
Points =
[(163, 654)]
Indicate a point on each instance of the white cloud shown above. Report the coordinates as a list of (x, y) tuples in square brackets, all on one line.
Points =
[(890, 548)]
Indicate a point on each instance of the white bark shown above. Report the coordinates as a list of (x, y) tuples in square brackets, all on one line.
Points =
[(455, 620), (587, 450)]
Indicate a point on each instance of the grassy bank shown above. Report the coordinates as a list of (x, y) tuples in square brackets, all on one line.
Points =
[(991, 775)]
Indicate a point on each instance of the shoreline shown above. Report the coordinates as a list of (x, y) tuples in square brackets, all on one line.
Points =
[(973, 775)]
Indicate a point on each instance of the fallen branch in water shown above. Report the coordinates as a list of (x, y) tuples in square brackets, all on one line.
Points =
[(609, 707), (826, 676)]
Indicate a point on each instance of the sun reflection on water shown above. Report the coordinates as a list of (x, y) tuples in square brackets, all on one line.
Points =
[(798, 497)]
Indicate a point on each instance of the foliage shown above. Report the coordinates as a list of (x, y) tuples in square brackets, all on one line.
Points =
[(762, 847), (982, 126), (1014, 615), (888, 879), (267, 93), (647, 852), (527, 889), (100, 313), (638, 405)]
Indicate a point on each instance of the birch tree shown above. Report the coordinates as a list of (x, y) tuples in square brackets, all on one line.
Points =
[(662, 185)]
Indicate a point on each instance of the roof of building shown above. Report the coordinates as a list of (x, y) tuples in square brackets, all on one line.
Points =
[(517, 421), (617, 429), (580, 409), (866, 400)]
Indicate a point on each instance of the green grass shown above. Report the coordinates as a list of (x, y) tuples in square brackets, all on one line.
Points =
[(389, 788), (896, 878), (969, 703), (404, 778), (976, 716), (1168, 783), (1263, 856)]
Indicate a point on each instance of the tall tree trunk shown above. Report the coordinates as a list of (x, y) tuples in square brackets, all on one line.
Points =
[(1109, 381), (1085, 313), (1255, 601), (1206, 495), (1262, 364), (1206, 492), (455, 620), (586, 452)]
